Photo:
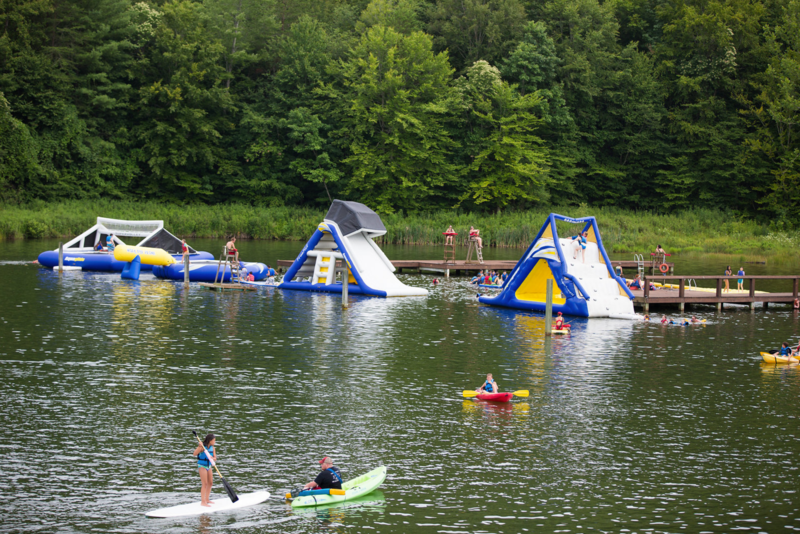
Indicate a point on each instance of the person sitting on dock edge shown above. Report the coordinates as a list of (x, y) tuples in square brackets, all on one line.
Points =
[(490, 386), (329, 477), (637, 283)]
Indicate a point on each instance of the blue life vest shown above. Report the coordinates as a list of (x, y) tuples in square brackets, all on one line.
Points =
[(202, 459), (786, 351), (335, 475), (488, 387)]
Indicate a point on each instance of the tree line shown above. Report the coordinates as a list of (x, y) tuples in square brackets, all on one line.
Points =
[(410, 105)]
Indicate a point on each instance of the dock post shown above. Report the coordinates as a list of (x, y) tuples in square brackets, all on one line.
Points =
[(766, 304), (752, 305), (548, 310), (646, 305), (682, 306), (447, 273), (60, 257), (186, 269), (719, 307), (345, 287)]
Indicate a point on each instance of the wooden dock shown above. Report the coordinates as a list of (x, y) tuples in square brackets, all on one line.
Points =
[(684, 294), (460, 267), (227, 287)]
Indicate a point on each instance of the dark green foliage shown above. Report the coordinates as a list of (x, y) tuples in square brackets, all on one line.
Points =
[(662, 105)]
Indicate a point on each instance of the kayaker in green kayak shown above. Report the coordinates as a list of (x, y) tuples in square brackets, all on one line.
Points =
[(490, 386), (329, 477)]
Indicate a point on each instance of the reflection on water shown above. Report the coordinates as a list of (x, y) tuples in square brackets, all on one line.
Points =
[(628, 427)]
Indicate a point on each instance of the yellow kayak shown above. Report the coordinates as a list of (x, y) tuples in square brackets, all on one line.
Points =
[(562, 331), (772, 358)]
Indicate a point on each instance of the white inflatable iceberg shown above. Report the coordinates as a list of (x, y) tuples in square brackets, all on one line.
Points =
[(346, 235)]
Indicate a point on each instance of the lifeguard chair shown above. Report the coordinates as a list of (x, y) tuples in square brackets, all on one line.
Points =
[(473, 246), (658, 262), (450, 248), (227, 260)]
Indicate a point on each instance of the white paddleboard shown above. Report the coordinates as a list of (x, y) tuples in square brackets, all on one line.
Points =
[(220, 505)]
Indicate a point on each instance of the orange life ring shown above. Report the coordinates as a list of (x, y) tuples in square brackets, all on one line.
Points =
[(663, 268)]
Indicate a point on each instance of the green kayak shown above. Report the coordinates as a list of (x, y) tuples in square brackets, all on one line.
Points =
[(353, 489)]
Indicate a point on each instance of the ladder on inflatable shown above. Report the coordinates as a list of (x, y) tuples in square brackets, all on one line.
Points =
[(473, 245), (226, 261), (325, 266)]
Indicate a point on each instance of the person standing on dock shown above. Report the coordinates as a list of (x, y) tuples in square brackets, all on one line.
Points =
[(728, 272), (740, 281)]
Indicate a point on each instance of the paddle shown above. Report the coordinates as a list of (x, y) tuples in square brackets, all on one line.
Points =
[(470, 393), (228, 488)]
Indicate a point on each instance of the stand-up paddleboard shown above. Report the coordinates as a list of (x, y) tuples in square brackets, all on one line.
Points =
[(220, 505)]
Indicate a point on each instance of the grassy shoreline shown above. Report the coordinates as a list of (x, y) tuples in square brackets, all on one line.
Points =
[(699, 231)]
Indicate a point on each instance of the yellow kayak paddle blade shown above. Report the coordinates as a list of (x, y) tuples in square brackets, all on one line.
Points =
[(522, 393), (469, 393)]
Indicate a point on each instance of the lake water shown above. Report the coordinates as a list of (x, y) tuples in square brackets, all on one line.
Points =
[(629, 427)]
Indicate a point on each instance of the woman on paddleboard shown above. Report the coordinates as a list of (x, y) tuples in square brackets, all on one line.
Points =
[(204, 468)]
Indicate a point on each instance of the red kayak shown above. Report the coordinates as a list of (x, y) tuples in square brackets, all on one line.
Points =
[(496, 397)]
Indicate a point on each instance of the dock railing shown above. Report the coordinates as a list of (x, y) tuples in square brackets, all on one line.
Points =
[(718, 297), (751, 279)]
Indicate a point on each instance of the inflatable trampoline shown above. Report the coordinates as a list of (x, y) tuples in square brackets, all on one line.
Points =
[(86, 251)]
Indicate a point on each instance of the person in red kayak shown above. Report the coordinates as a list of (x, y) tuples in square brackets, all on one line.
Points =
[(329, 477), (559, 322), (490, 386)]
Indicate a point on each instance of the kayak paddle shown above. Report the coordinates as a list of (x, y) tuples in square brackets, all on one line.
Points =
[(470, 393), (228, 488)]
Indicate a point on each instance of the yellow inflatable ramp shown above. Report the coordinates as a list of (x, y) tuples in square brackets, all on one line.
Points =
[(147, 255)]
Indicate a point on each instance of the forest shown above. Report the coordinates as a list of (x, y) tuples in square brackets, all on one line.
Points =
[(410, 106)]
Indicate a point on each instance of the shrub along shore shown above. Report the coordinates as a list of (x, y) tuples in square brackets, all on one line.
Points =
[(702, 231)]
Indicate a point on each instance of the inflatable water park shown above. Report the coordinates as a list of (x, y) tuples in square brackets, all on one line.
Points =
[(87, 251), (346, 235), (585, 284)]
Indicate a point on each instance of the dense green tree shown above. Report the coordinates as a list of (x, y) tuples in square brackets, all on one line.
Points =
[(400, 15), (509, 165), (775, 112), (19, 164), (533, 66), (391, 89), (699, 59), (471, 30), (290, 148), (183, 109)]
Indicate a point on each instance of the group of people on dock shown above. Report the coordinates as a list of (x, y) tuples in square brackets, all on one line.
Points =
[(490, 278)]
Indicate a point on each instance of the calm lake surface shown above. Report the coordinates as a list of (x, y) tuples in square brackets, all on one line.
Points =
[(629, 427)]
